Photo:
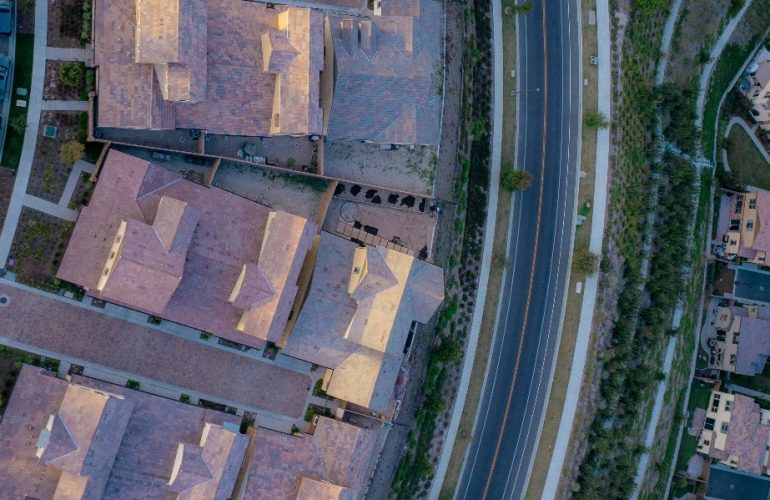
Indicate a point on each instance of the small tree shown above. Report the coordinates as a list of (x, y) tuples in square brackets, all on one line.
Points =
[(516, 180), (71, 151), (435, 403), (596, 119), (71, 74), (585, 262)]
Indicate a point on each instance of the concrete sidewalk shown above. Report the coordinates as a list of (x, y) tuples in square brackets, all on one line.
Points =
[(55, 105), (50, 208), (486, 258), (582, 343), (30, 137), (62, 54)]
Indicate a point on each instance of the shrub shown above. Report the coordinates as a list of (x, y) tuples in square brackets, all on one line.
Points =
[(290, 161), (516, 180), (133, 384), (585, 262), (596, 119), (71, 151), (449, 351), (71, 74), (184, 398)]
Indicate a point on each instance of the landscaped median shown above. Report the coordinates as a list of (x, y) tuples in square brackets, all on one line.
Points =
[(17, 117)]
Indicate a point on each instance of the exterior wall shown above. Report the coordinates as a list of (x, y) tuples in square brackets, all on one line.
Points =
[(728, 334), (743, 225), (713, 437)]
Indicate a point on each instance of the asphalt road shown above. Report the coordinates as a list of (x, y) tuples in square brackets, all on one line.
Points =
[(521, 363)]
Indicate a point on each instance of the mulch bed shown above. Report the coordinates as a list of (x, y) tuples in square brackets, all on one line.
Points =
[(49, 174), (65, 23), (38, 247), (7, 178), (55, 89), (25, 16), (82, 192)]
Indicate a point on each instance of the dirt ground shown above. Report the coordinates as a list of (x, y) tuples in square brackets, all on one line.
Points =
[(65, 22), (55, 89), (402, 169), (295, 194), (49, 173), (694, 35), (298, 153), (37, 247), (25, 16)]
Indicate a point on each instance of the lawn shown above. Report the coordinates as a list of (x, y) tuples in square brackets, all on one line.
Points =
[(22, 77), (699, 398), (759, 382), (744, 159)]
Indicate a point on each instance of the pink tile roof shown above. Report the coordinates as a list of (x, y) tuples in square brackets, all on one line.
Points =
[(142, 450), (184, 249), (385, 74), (214, 79), (361, 342), (312, 489), (337, 453), (747, 437), (94, 338)]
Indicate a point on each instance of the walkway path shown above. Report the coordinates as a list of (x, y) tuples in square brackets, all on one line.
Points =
[(50, 208), (748, 392), (54, 105), (30, 137), (486, 257), (599, 213), (60, 54)]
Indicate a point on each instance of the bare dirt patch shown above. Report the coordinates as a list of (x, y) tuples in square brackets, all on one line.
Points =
[(65, 22), (49, 172), (37, 248), (25, 16), (7, 178)]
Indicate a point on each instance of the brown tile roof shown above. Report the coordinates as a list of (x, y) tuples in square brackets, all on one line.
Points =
[(142, 449), (312, 489), (384, 87), (338, 455), (365, 331), (159, 69), (95, 338), (184, 249)]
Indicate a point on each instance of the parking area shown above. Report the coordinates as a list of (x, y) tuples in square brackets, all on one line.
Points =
[(402, 168)]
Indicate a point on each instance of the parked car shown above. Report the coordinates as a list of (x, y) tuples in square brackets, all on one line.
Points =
[(6, 14), (5, 65)]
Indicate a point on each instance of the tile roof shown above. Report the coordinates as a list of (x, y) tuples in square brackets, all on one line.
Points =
[(384, 87), (158, 69), (337, 454), (183, 252), (762, 231), (141, 448), (312, 489), (72, 331), (753, 346), (747, 437), (365, 332)]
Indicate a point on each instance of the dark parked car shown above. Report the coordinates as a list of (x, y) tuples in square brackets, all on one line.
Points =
[(6, 13)]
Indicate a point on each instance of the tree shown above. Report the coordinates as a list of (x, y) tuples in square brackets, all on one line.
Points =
[(596, 119), (71, 151), (585, 262), (71, 74), (515, 180), (449, 351), (434, 403)]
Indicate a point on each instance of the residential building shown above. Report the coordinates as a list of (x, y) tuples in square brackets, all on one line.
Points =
[(387, 77), (362, 306), (744, 226), (756, 87), (153, 241), (741, 341), (87, 439), (736, 432), (227, 66)]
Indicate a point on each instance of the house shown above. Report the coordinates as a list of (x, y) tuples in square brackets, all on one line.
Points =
[(87, 439), (755, 85), (227, 66), (152, 241), (744, 226), (95, 440), (741, 342), (736, 432), (362, 306), (387, 82)]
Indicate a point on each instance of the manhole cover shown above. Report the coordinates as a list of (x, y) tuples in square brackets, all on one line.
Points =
[(49, 131), (4, 300), (349, 212)]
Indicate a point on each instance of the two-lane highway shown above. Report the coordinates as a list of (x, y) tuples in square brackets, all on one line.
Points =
[(520, 367)]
